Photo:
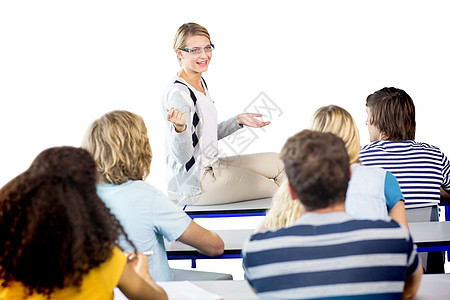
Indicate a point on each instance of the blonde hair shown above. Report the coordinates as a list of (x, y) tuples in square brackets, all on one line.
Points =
[(338, 121), (119, 143), (186, 30), (284, 210)]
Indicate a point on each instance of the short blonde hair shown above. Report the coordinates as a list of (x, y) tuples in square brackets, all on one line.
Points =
[(284, 211), (119, 143), (186, 30), (335, 119)]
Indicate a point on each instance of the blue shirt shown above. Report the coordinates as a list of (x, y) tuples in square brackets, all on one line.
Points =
[(148, 217), (392, 191), (331, 256)]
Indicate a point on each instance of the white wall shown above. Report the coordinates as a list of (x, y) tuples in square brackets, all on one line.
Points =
[(65, 63)]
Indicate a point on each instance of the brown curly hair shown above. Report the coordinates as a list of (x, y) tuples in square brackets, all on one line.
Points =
[(54, 227), (317, 166)]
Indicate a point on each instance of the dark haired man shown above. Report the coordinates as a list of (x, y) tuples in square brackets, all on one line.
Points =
[(422, 170), (327, 253)]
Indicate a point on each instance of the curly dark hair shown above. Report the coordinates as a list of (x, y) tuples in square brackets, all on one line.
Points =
[(318, 169), (54, 227)]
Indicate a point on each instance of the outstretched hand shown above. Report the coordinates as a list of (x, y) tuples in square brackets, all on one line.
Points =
[(177, 118), (249, 119)]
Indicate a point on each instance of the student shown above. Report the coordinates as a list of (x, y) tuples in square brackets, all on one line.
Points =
[(373, 193), (58, 237), (196, 175), (422, 170), (327, 253), (119, 144)]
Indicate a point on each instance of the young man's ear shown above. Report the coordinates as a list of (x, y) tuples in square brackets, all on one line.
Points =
[(292, 192)]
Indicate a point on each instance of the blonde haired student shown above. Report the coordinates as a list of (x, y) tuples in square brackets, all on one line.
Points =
[(283, 211), (196, 174), (119, 144), (373, 193)]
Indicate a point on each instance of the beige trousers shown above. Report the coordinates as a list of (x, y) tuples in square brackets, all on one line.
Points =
[(239, 178)]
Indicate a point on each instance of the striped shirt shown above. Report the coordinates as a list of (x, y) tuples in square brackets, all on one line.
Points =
[(331, 255), (421, 169)]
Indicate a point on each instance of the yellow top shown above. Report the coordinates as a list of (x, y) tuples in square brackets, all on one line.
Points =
[(97, 284)]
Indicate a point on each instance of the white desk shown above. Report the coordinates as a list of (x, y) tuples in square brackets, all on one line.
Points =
[(247, 208), (233, 240), (428, 236), (433, 286), (431, 236), (228, 289)]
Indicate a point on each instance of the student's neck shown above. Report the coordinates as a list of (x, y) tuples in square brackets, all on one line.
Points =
[(340, 207), (192, 78)]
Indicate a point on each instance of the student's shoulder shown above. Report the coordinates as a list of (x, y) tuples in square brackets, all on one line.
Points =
[(262, 240), (362, 170), (426, 146), (362, 224), (140, 189), (377, 145), (397, 229), (397, 147)]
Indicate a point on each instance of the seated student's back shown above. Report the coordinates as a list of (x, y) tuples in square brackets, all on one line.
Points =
[(120, 146), (373, 193), (422, 170), (58, 237), (326, 253), (148, 216)]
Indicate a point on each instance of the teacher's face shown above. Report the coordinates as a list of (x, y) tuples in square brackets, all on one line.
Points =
[(196, 63)]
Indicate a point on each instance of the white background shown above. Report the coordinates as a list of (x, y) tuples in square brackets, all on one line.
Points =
[(65, 63)]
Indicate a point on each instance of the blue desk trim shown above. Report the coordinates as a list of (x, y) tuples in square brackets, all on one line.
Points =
[(433, 248), (194, 215), (446, 203), (194, 257), (230, 254)]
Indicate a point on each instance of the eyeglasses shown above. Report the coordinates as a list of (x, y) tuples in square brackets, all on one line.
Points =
[(198, 50)]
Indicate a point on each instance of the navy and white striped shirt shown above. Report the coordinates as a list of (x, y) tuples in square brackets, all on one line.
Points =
[(421, 169), (331, 255)]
